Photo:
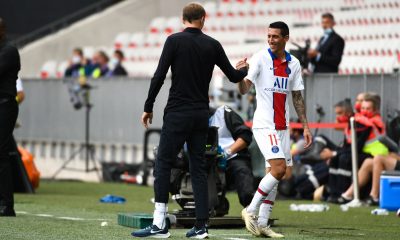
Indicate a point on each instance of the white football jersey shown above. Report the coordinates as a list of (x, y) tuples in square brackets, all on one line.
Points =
[(274, 80)]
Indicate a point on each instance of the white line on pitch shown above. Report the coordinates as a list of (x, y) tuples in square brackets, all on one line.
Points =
[(63, 218), (71, 218), (236, 238), (43, 215)]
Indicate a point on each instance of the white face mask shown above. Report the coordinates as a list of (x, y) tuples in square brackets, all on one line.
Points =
[(328, 31), (76, 59), (114, 62)]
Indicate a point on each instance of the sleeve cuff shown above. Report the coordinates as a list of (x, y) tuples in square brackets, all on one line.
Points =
[(148, 109)]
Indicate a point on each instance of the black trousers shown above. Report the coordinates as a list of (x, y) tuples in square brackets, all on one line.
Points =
[(239, 174), (180, 127), (8, 116)]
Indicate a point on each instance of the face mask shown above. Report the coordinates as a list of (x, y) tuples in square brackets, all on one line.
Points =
[(328, 31), (357, 107), (114, 62), (367, 114), (76, 59), (342, 119)]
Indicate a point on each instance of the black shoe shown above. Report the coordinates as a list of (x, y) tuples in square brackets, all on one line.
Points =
[(331, 199), (199, 233), (372, 202), (152, 231), (342, 200), (7, 211)]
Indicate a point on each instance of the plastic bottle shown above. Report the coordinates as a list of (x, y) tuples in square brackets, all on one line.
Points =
[(380, 211)]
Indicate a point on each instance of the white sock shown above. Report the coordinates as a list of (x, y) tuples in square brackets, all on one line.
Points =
[(159, 214), (264, 188), (266, 207)]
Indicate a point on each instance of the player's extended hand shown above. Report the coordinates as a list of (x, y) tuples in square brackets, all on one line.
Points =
[(147, 118), (307, 138), (242, 63)]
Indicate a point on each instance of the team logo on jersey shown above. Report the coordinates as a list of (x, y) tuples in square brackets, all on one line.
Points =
[(281, 82), (275, 149)]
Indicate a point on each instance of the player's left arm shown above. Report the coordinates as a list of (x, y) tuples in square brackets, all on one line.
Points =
[(298, 103)]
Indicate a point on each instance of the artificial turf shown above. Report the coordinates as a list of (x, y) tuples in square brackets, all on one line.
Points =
[(81, 201)]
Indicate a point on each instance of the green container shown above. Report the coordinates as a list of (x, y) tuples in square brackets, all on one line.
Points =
[(135, 220)]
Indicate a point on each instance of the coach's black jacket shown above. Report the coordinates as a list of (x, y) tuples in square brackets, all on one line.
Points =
[(192, 56), (331, 54), (9, 68)]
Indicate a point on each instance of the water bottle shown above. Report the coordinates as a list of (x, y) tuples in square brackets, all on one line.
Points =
[(380, 211)]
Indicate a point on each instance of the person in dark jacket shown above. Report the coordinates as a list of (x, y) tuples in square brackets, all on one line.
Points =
[(234, 138), (9, 68), (328, 54), (79, 66), (192, 56), (117, 69)]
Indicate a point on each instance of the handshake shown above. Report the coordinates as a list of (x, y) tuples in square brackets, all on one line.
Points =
[(242, 64)]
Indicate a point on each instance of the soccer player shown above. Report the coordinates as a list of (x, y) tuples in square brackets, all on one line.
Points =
[(275, 74)]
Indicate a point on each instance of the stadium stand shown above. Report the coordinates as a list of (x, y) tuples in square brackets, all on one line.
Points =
[(372, 37)]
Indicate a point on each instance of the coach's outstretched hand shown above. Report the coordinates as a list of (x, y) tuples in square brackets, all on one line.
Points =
[(307, 138), (242, 63), (147, 118)]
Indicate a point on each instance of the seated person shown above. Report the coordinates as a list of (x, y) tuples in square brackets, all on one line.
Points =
[(339, 158), (373, 168), (369, 127), (234, 137)]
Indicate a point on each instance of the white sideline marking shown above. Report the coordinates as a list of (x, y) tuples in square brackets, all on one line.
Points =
[(233, 234), (71, 218), (236, 238), (43, 215), (63, 218)]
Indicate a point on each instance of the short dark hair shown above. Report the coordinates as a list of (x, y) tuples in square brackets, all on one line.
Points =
[(192, 12), (104, 55), (79, 51), (346, 105), (328, 15), (374, 98), (282, 26), (119, 53)]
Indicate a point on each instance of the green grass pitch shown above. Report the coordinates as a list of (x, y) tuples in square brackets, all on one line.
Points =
[(71, 210)]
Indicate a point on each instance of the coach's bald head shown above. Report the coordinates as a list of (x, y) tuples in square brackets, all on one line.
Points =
[(2, 29)]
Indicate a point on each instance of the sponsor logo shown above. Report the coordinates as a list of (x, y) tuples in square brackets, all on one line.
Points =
[(281, 83), (275, 149)]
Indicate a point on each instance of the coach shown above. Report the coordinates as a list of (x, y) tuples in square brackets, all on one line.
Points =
[(9, 67), (192, 56)]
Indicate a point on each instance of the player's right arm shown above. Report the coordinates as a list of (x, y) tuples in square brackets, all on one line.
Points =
[(245, 86), (254, 70)]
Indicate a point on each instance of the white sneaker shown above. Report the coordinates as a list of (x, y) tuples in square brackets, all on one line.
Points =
[(250, 222), (268, 232)]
